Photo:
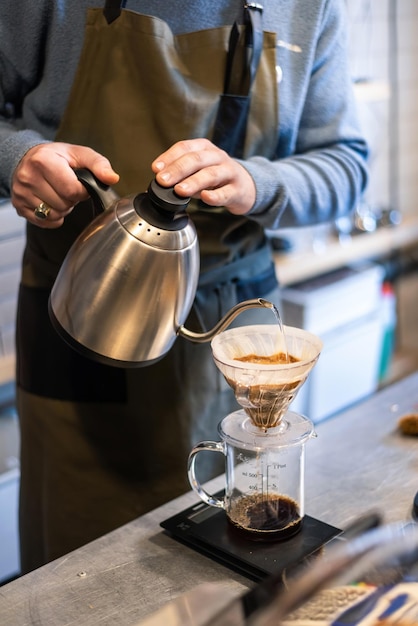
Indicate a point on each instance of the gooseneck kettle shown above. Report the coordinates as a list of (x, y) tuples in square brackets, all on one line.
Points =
[(128, 282)]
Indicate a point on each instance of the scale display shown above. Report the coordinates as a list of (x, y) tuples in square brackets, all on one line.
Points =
[(207, 530)]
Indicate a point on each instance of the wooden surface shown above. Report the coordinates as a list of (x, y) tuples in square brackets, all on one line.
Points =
[(359, 462)]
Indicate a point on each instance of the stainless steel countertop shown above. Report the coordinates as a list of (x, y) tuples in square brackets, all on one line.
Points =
[(359, 462)]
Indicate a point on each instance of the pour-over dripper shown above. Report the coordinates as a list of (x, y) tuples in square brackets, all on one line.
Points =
[(265, 390)]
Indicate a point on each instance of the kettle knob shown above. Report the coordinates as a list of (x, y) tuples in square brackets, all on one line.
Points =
[(166, 198), (162, 207)]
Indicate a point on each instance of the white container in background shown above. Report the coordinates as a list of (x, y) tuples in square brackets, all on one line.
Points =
[(343, 309)]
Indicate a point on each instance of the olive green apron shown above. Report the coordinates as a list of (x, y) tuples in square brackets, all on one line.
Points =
[(101, 445)]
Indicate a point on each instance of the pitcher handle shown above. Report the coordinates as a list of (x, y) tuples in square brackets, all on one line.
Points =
[(210, 446)]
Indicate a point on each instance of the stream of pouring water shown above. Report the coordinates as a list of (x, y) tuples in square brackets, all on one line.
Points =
[(276, 313), (265, 495)]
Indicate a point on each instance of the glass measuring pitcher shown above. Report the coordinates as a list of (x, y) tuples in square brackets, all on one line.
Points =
[(264, 474)]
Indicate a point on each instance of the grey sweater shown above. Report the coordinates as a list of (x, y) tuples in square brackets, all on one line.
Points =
[(319, 171)]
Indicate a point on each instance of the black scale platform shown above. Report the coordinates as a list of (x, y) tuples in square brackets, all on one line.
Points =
[(207, 530)]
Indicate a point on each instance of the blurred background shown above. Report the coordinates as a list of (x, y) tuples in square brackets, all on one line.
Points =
[(355, 282)]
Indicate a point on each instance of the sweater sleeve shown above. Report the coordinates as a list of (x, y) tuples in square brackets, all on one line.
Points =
[(321, 171), (34, 84), (19, 49)]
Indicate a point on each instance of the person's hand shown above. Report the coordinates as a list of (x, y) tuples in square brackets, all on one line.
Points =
[(45, 178), (197, 168)]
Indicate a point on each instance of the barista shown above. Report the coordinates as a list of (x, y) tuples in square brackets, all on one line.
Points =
[(101, 445)]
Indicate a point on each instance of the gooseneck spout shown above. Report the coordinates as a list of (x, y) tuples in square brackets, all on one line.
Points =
[(225, 321)]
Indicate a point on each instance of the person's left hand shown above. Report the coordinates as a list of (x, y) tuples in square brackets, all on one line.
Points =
[(198, 168)]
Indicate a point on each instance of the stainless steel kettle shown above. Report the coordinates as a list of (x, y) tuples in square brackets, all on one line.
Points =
[(128, 282)]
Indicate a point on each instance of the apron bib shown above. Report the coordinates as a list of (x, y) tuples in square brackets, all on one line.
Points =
[(151, 88)]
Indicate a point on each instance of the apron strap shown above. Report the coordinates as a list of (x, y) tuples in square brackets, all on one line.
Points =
[(112, 9), (240, 72), (241, 68)]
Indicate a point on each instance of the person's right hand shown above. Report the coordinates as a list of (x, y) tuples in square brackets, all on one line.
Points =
[(46, 175)]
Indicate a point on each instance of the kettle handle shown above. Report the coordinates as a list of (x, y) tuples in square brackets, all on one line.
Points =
[(102, 195)]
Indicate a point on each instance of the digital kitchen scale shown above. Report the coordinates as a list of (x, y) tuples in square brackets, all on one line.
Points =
[(207, 530)]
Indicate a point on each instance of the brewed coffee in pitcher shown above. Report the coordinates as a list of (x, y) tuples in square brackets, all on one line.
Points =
[(263, 443)]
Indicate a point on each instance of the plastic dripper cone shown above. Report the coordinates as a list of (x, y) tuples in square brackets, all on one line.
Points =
[(265, 390)]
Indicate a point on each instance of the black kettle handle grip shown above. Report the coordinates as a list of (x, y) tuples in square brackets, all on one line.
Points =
[(102, 195)]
